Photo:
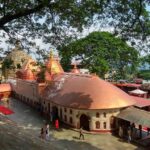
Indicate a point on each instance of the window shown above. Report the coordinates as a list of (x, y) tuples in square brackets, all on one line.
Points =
[(70, 111), (65, 110), (70, 120), (97, 124), (97, 115), (104, 115), (104, 125), (65, 118)]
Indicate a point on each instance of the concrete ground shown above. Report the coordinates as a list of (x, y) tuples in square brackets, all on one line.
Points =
[(22, 133)]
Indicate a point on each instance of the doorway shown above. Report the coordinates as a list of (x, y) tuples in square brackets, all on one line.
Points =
[(84, 122)]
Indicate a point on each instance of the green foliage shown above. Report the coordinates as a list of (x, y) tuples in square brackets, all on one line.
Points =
[(7, 64), (52, 20), (145, 60), (144, 74), (101, 52)]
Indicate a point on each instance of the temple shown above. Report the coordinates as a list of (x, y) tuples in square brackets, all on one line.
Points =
[(14, 60), (76, 99)]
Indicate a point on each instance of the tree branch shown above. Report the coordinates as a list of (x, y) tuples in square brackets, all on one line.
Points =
[(138, 15), (24, 12)]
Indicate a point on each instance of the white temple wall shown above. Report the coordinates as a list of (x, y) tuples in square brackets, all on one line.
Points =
[(75, 114)]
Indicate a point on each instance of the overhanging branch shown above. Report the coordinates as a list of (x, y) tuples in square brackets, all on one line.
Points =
[(24, 12)]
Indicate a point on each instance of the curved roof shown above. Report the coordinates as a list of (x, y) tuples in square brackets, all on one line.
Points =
[(86, 92), (5, 87)]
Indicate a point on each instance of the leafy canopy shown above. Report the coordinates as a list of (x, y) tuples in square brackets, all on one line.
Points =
[(144, 74), (55, 21), (101, 52)]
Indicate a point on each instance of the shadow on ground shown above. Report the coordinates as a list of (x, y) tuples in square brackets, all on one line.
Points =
[(13, 137)]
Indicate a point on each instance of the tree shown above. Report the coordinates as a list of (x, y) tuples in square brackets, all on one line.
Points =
[(101, 52), (144, 71), (144, 74), (55, 21), (145, 61), (7, 64)]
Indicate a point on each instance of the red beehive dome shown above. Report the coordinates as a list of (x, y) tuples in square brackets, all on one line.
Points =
[(28, 75), (86, 92)]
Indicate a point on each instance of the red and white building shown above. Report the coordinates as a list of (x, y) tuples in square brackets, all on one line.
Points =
[(79, 100)]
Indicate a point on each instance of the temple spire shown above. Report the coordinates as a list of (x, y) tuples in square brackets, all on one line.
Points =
[(53, 66)]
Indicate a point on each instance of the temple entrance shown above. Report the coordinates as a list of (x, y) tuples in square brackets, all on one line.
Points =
[(84, 122), (54, 113)]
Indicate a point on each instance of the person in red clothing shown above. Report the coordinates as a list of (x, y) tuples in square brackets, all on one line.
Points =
[(57, 124)]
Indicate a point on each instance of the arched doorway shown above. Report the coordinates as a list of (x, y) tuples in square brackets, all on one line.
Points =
[(84, 122)]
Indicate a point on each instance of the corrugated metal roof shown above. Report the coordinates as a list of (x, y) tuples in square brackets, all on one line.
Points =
[(141, 102), (135, 115)]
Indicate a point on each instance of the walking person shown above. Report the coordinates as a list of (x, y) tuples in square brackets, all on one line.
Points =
[(129, 134), (42, 133), (140, 131), (57, 124), (47, 132), (81, 134), (120, 132), (133, 130)]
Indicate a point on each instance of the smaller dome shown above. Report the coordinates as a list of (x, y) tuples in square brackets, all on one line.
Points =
[(75, 69), (28, 75)]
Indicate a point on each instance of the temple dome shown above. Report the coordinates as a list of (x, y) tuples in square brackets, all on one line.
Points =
[(86, 92), (28, 74)]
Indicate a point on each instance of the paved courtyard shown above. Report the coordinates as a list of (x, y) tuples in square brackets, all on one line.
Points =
[(22, 133)]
